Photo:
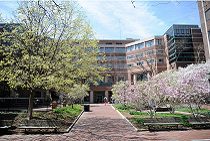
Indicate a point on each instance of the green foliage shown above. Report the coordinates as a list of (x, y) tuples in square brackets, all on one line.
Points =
[(137, 113), (137, 120), (187, 109), (123, 107), (185, 121), (53, 48), (68, 111)]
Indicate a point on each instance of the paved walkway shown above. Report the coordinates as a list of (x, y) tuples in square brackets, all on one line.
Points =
[(103, 123)]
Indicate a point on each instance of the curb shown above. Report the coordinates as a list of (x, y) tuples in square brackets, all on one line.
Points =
[(125, 118), (69, 129)]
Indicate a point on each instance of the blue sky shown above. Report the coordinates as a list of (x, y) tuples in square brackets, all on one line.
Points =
[(118, 19)]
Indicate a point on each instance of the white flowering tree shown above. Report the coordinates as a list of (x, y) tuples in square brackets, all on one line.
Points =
[(194, 87)]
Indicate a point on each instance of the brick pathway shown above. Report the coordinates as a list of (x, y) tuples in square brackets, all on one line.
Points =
[(103, 123)]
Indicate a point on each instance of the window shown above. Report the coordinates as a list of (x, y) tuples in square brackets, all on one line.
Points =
[(140, 63), (149, 52), (207, 14), (139, 55), (109, 57), (160, 60), (101, 49), (131, 48), (150, 61), (120, 50), (160, 51), (118, 43), (109, 49), (139, 46), (108, 43), (120, 58), (149, 43), (129, 57), (158, 42), (121, 78)]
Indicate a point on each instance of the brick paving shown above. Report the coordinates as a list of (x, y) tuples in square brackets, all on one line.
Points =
[(103, 123)]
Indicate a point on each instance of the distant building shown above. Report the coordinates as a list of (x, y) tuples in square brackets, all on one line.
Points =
[(114, 52), (145, 58), (184, 44), (204, 12)]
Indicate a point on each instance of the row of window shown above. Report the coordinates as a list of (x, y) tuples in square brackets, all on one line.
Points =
[(112, 49), (146, 53), (112, 58), (144, 44), (149, 61)]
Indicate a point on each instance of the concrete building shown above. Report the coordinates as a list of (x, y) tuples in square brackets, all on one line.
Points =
[(204, 12), (114, 52), (136, 60), (145, 58)]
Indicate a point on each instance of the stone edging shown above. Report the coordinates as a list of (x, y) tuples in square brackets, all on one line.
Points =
[(124, 118), (70, 127)]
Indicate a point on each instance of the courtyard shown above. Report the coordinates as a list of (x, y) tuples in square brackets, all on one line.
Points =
[(104, 123)]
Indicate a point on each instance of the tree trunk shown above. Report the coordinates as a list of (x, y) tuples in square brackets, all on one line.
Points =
[(30, 105)]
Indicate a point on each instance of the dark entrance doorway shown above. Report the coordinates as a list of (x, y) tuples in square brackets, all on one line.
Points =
[(98, 96)]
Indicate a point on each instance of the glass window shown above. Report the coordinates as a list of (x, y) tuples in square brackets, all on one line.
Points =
[(120, 57), (109, 49), (207, 14), (140, 63), (101, 49), (120, 49), (139, 46), (149, 43), (130, 48), (129, 57), (109, 57), (158, 42), (150, 52), (151, 61), (140, 55), (160, 51)]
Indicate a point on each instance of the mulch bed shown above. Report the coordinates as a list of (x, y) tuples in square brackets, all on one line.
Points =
[(16, 119)]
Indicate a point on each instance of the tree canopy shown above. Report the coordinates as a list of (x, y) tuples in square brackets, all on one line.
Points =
[(52, 47)]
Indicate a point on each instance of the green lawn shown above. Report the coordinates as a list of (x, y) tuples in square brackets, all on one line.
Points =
[(187, 109), (138, 118)]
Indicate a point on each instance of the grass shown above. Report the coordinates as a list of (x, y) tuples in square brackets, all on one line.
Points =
[(139, 117), (187, 109), (68, 112)]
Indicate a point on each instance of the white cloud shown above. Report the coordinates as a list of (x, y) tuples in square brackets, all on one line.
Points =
[(120, 17)]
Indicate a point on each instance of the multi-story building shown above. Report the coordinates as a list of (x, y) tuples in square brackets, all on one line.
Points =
[(135, 60), (184, 44), (145, 58), (204, 12), (114, 54)]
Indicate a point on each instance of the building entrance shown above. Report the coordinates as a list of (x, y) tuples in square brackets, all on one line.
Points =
[(98, 96)]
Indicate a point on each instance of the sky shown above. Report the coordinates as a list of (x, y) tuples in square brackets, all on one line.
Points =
[(121, 19)]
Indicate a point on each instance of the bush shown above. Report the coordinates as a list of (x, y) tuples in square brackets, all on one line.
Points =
[(184, 121), (136, 113), (138, 120), (68, 111), (123, 107)]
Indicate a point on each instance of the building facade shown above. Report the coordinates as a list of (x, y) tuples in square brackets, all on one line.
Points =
[(137, 60), (184, 44), (145, 58), (204, 12), (114, 54)]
